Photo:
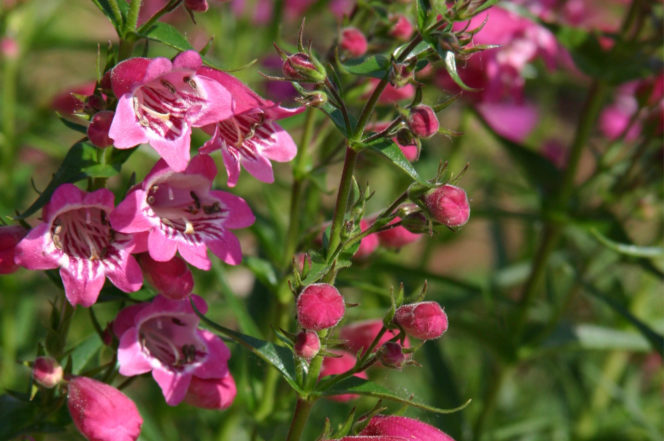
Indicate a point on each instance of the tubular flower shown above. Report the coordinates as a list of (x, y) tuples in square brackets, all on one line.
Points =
[(399, 426), (250, 138), (77, 237), (10, 236), (163, 337), (181, 213), (101, 412), (159, 101)]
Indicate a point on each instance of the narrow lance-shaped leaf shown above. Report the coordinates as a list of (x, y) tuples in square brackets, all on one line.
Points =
[(277, 356), (627, 249), (375, 66), (390, 150), (360, 386), (450, 65)]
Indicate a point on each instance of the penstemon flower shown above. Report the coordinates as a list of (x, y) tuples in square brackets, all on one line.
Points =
[(77, 237), (181, 213), (159, 101), (250, 138), (163, 337)]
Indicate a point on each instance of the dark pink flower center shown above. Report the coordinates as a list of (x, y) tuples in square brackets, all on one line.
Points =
[(186, 209), (166, 105), (172, 339), (83, 233), (244, 134)]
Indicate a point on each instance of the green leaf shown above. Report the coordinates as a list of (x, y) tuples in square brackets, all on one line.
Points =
[(84, 351), (262, 269), (355, 385), (450, 65), (167, 34), (375, 66), (337, 118), (74, 126), (594, 337), (279, 357), (105, 7), (18, 416), (423, 7), (421, 47), (390, 150), (79, 163), (627, 249)]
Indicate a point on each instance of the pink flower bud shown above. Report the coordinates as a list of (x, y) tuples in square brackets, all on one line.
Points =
[(70, 102), (196, 5), (423, 121), (368, 244), (408, 428), (302, 67), (358, 336), (47, 372), (424, 320), (172, 279), (353, 41), (212, 393), (320, 306), (98, 128), (397, 237), (401, 29), (8, 48), (307, 344), (448, 205), (341, 362), (391, 355), (101, 412), (10, 236)]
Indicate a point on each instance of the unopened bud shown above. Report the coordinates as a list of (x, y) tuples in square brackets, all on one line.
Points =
[(172, 278), (353, 41), (448, 205), (303, 67), (397, 237), (196, 5), (423, 121), (401, 28), (10, 236), (315, 98), (99, 127), (47, 372), (424, 320), (391, 355), (307, 344), (416, 223), (320, 306)]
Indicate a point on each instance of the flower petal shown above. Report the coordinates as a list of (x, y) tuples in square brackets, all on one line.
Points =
[(131, 357), (160, 247), (128, 216), (174, 386), (227, 248), (82, 283), (125, 131), (31, 250), (241, 215), (195, 254), (128, 277)]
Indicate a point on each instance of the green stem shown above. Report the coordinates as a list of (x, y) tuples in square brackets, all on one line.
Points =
[(299, 421), (132, 16), (489, 401), (342, 200), (117, 15)]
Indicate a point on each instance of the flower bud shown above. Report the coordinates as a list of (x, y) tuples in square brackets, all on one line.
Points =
[(196, 5), (391, 355), (302, 67), (448, 205), (416, 223), (212, 393), (320, 306), (401, 28), (397, 237), (10, 236), (353, 41), (173, 278), (315, 98), (98, 128), (47, 372), (424, 320), (307, 344), (384, 427), (101, 412), (423, 121)]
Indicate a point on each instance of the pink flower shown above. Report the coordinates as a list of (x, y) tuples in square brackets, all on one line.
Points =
[(341, 8), (423, 121), (320, 306), (616, 118), (391, 94), (159, 101), (341, 362), (99, 127), (448, 204), (213, 393), (172, 279), (101, 412), (69, 101), (368, 244), (307, 344), (163, 337), (77, 237), (47, 372), (409, 428), (353, 41), (10, 236), (182, 213), (423, 320), (397, 237), (196, 5), (359, 335), (250, 138), (401, 28)]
